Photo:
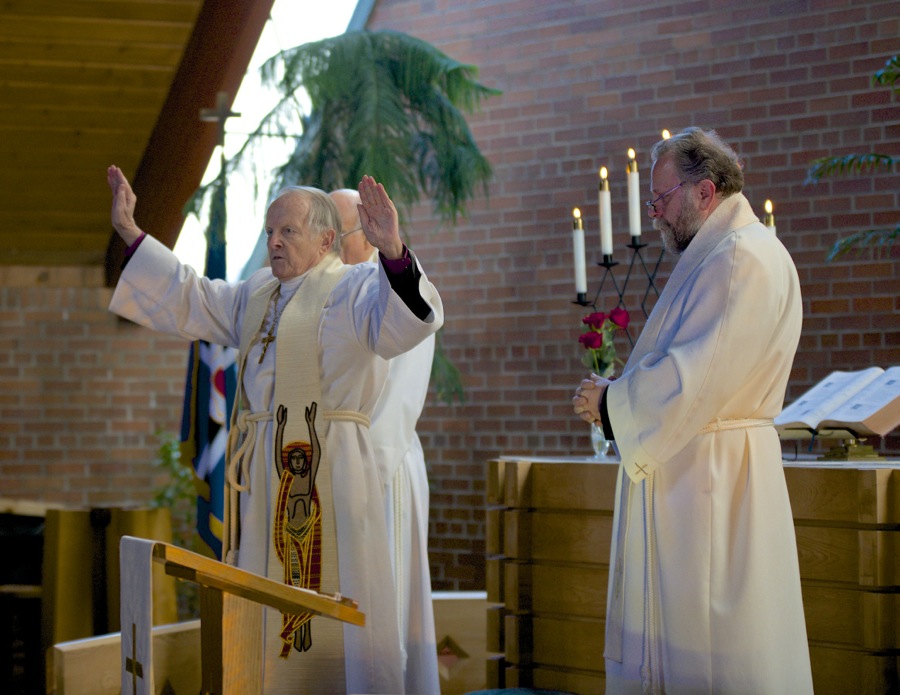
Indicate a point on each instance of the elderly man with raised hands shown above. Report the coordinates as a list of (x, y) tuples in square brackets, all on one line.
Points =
[(401, 462), (304, 500)]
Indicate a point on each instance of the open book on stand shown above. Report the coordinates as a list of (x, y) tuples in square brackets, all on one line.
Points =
[(845, 405)]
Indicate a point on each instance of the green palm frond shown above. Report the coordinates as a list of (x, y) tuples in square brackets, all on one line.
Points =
[(854, 164), (385, 104), (863, 240), (848, 164), (889, 75), (446, 379), (380, 103)]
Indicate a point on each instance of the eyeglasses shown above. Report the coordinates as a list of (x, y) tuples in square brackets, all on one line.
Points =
[(358, 229), (651, 204)]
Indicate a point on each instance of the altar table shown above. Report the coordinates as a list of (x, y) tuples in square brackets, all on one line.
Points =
[(549, 527)]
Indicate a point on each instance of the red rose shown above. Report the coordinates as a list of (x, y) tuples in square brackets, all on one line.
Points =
[(619, 317), (591, 339), (595, 320)]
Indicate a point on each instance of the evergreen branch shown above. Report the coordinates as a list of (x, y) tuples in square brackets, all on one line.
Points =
[(445, 377), (179, 484), (848, 164), (384, 104), (859, 241), (888, 75)]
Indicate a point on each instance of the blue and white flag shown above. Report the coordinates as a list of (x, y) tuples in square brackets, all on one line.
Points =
[(208, 398)]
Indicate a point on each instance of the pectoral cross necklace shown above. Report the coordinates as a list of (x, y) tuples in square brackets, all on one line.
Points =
[(276, 315)]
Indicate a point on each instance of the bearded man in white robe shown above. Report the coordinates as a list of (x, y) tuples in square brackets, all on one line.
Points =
[(704, 584), (304, 501), (401, 462)]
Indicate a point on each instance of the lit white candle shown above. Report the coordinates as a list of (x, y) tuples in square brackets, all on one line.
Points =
[(666, 134), (578, 252), (606, 243), (770, 216), (634, 197)]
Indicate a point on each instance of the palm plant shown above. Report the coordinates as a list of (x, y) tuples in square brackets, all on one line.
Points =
[(858, 164), (385, 104)]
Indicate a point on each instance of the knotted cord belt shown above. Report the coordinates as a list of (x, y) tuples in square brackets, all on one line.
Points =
[(720, 424), (246, 426), (348, 416), (239, 460)]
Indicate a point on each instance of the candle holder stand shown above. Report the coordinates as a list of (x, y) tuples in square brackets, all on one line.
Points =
[(608, 264), (636, 261), (636, 247)]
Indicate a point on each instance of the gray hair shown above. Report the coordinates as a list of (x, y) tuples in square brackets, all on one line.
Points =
[(321, 215), (701, 154)]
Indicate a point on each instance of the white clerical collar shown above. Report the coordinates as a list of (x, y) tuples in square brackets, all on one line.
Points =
[(289, 287)]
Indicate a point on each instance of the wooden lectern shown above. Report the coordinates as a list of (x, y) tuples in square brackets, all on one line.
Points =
[(231, 603)]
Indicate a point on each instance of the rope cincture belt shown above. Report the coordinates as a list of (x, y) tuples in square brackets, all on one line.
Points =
[(247, 425), (348, 416), (719, 424), (239, 463)]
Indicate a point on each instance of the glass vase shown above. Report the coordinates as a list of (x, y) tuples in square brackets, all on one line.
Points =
[(598, 441)]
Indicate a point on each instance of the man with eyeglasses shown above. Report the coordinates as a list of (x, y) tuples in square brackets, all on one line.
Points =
[(355, 248), (401, 466), (704, 582)]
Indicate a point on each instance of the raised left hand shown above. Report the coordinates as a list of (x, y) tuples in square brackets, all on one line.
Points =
[(379, 219)]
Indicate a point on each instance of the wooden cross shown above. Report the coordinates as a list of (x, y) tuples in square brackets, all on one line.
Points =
[(132, 665), (220, 114)]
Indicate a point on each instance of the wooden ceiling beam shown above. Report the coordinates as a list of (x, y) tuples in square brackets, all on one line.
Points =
[(180, 147)]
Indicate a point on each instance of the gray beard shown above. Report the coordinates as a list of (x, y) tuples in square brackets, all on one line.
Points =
[(677, 236)]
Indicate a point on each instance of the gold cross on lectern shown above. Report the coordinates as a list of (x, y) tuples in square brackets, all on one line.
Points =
[(220, 114), (132, 665)]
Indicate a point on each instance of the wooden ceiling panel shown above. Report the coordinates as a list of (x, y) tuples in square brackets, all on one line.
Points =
[(96, 82), (66, 198), (101, 31), (18, 51), (48, 144), (97, 78), (52, 238), (93, 117), (111, 98), (135, 10), (76, 166)]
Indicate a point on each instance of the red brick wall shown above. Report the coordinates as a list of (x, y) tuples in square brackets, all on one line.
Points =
[(784, 82), (83, 392)]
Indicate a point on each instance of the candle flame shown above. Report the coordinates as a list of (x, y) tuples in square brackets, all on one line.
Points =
[(768, 207), (603, 173), (666, 134), (576, 213), (631, 153)]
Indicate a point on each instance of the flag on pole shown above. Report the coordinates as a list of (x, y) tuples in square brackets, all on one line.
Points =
[(209, 396)]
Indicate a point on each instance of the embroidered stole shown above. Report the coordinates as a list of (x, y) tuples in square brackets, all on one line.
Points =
[(301, 653)]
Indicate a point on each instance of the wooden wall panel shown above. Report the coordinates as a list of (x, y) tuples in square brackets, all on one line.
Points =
[(554, 522)]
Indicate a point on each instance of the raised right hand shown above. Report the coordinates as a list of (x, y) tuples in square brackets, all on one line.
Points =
[(123, 203)]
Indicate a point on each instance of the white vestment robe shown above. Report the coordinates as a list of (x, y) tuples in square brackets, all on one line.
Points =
[(399, 454), (363, 324), (704, 589)]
